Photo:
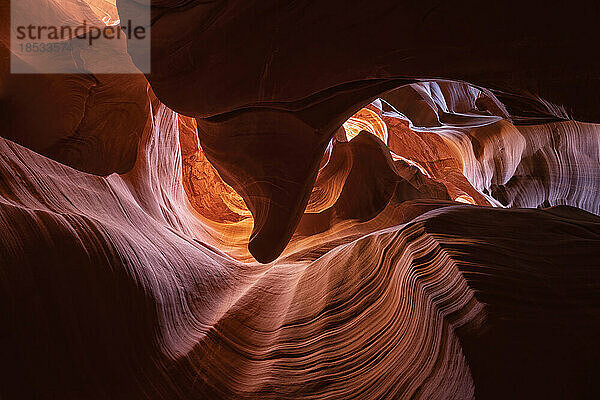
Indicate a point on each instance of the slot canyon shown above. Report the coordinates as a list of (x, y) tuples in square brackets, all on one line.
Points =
[(303, 200)]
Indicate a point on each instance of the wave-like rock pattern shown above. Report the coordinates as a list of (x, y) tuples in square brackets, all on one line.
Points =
[(112, 289)]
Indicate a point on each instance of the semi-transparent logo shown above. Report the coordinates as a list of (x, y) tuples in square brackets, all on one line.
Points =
[(80, 36)]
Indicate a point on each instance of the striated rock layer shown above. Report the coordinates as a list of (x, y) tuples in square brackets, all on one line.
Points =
[(113, 288)]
